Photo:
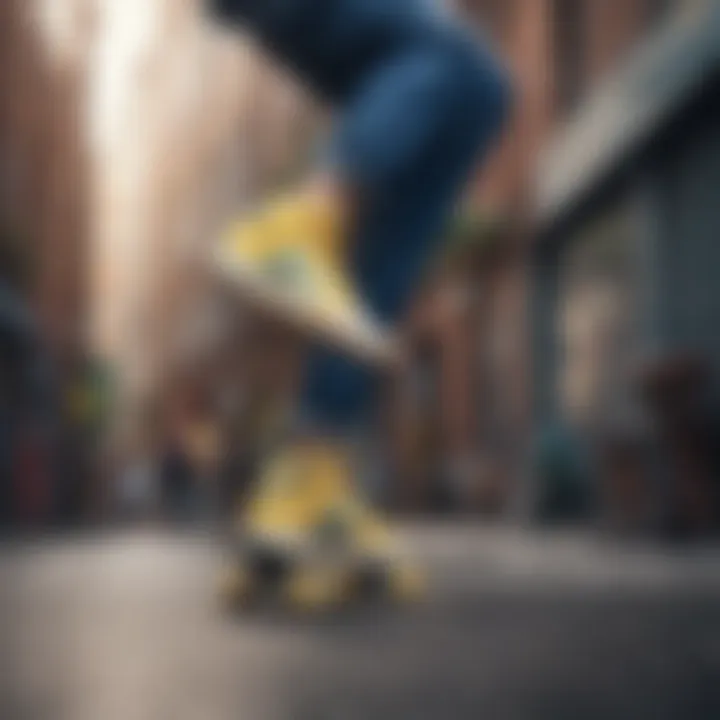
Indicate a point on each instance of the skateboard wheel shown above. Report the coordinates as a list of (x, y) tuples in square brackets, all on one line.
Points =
[(236, 587), (315, 590), (407, 584)]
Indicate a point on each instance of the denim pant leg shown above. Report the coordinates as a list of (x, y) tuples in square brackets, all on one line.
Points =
[(418, 101), (332, 45), (425, 151)]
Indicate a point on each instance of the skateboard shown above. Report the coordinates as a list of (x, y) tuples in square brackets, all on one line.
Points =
[(317, 574)]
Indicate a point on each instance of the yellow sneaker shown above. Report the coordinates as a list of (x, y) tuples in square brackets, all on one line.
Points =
[(289, 260), (306, 500), (306, 534)]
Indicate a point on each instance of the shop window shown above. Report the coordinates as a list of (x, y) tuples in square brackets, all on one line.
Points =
[(494, 16), (659, 10), (598, 320), (569, 52)]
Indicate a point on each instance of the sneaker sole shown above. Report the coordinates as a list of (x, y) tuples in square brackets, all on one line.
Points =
[(376, 348)]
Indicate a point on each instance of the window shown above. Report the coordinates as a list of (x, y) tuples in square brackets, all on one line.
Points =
[(569, 52), (658, 10), (493, 17)]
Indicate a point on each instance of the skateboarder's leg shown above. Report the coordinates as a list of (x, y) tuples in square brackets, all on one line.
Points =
[(402, 78), (413, 196), (420, 103)]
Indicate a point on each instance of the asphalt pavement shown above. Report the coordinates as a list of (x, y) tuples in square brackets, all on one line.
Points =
[(562, 626)]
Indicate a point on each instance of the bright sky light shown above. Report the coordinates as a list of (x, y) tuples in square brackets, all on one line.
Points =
[(127, 30)]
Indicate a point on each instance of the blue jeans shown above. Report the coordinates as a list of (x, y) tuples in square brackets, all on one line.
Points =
[(419, 101)]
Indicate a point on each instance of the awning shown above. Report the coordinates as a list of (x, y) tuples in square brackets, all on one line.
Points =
[(666, 72)]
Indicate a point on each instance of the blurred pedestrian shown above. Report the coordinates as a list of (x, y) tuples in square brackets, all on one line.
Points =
[(28, 416), (177, 480), (681, 394), (137, 485)]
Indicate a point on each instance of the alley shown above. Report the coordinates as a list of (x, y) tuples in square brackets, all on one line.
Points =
[(559, 626)]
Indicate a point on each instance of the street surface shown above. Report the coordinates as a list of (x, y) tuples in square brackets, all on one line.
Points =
[(125, 627)]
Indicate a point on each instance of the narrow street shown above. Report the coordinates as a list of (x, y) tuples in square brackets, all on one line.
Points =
[(125, 626)]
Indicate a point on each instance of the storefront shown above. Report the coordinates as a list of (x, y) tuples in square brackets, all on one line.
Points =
[(27, 418), (627, 255)]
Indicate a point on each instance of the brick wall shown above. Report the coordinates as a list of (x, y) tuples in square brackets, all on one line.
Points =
[(484, 374), (44, 169)]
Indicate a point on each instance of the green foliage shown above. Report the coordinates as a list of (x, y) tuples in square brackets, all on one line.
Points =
[(472, 235), (91, 396)]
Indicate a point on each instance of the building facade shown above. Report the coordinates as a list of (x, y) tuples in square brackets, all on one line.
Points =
[(44, 232), (44, 160), (480, 378), (468, 400), (625, 293)]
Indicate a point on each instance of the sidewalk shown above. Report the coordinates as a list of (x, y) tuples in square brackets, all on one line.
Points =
[(461, 557), (519, 626), (474, 555)]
